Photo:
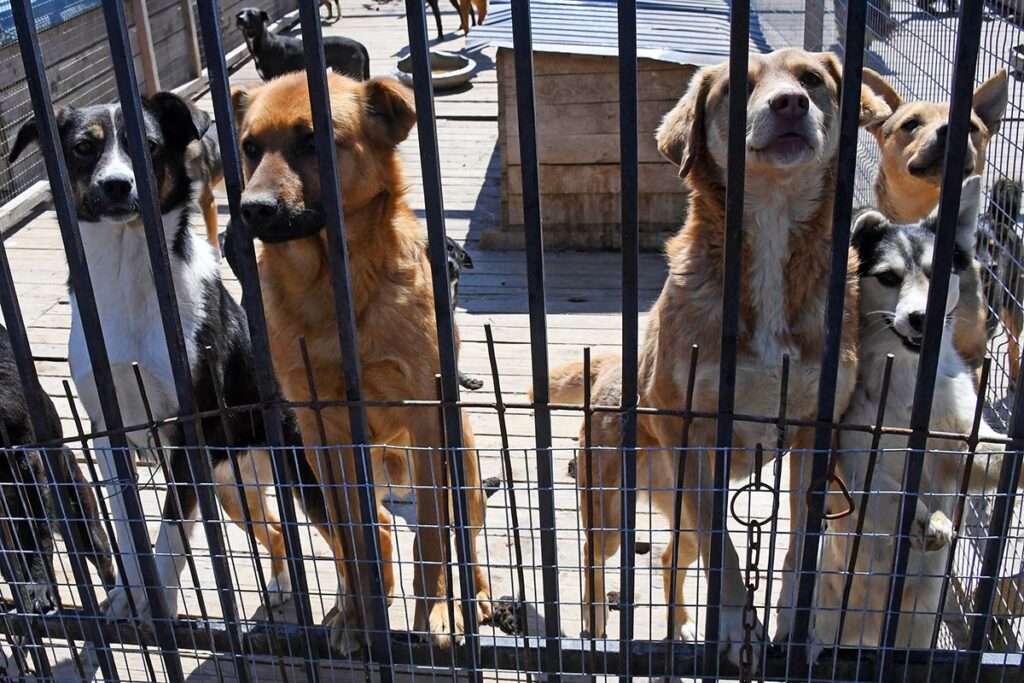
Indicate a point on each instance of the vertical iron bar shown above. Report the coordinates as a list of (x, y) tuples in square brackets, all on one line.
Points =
[(526, 109), (967, 45), (447, 340), (149, 205), (58, 477), (630, 171), (506, 459), (252, 300), (842, 212), (344, 310), (739, 39), (998, 531), (81, 285)]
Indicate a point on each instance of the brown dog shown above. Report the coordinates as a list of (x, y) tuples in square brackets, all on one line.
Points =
[(792, 141), (913, 144), (480, 7), (204, 166), (394, 306)]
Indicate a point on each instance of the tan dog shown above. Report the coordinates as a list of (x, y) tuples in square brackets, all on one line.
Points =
[(204, 166), (464, 13), (792, 140), (394, 306), (913, 145)]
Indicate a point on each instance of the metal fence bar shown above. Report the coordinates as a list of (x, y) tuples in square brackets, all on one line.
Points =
[(58, 478), (967, 45), (447, 342), (630, 231), (842, 212), (323, 131), (81, 285), (526, 110), (252, 301), (149, 205), (739, 40)]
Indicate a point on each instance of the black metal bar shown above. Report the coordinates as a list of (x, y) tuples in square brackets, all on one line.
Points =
[(526, 109), (156, 242), (344, 309), (81, 285), (447, 340), (967, 45), (739, 37), (650, 658), (630, 178), (998, 532), (252, 301), (842, 212)]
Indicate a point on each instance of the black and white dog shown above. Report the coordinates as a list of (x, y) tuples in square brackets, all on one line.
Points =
[(213, 325), (277, 55), (895, 274), (28, 513)]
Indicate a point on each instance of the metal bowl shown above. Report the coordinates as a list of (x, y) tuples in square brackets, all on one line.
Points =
[(448, 69)]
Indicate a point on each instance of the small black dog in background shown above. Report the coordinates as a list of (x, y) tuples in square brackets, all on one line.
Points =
[(278, 55), (28, 509)]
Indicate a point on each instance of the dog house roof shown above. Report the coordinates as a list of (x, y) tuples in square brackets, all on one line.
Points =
[(680, 31)]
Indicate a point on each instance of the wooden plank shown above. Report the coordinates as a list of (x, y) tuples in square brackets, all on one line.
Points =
[(555, 120), (667, 83), (656, 178)]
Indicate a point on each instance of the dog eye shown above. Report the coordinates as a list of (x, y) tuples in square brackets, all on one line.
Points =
[(974, 127), (810, 79), (250, 148), (888, 278), (153, 147), (910, 126), (308, 143), (84, 148)]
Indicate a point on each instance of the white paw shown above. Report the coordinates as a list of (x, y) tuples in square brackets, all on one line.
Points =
[(688, 632), (783, 625), (279, 589), (344, 638), (732, 635), (118, 606), (931, 532)]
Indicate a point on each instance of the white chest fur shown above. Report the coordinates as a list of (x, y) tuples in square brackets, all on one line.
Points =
[(128, 306)]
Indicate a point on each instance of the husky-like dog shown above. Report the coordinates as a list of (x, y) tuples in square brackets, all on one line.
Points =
[(895, 268)]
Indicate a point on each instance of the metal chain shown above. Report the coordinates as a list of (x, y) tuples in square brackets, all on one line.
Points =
[(752, 571)]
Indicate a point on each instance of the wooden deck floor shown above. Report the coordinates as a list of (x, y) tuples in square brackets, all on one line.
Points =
[(583, 299)]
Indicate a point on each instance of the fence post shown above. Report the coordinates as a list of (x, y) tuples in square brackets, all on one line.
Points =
[(195, 61), (814, 24), (144, 36)]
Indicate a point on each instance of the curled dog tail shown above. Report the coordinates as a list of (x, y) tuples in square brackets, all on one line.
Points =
[(566, 381)]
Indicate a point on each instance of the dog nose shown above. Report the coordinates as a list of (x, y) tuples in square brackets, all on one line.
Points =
[(789, 105), (260, 211), (916, 320), (116, 189)]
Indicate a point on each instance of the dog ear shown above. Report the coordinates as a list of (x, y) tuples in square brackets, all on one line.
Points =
[(866, 223), (29, 133), (970, 209), (990, 99), (181, 121), (392, 111), (681, 134), (878, 99), (241, 97), (264, 17)]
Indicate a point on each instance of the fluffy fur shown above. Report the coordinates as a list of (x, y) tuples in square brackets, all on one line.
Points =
[(792, 139), (895, 270), (394, 312), (127, 301), (913, 143)]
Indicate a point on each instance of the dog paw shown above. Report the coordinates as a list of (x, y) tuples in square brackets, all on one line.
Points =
[(438, 630), (471, 383), (505, 616), (931, 532), (491, 485), (732, 636), (118, 605), (279, 589), (344, 633)]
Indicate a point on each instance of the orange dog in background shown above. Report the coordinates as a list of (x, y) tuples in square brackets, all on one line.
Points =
[(394, 308)]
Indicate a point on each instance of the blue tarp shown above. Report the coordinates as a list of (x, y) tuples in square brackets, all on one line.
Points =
[(48, 13)]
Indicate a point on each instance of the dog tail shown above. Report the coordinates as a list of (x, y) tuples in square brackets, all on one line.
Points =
[(566, 381)]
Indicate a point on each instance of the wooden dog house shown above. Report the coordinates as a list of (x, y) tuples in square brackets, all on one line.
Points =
[(576, 83)]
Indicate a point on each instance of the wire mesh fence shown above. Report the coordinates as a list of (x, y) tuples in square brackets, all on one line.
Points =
[(736, 530)]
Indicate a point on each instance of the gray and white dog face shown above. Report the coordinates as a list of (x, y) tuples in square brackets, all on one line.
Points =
[(896, 269)]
